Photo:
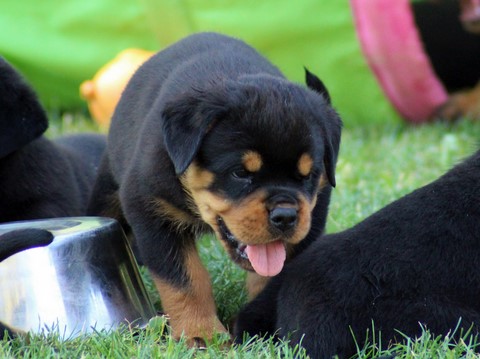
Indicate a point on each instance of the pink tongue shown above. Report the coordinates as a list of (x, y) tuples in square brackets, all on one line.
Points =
[(267, 259)]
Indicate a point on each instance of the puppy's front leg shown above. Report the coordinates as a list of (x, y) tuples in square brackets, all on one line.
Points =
[(180, 277), (190, 308)]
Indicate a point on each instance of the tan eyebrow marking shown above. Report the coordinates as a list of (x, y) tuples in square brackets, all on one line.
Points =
[(196, 177), (252, 161), (305, 164)]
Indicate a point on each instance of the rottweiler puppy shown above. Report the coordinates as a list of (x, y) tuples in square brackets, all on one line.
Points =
[(210, 137), (40, 178), (413, 263), (450, 31)]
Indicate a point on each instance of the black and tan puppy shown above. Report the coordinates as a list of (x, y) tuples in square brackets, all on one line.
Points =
[(413, 262), (450, 33), (209, 136), (40, 178)]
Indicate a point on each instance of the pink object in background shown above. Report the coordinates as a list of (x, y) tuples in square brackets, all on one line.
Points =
[(392, 46)]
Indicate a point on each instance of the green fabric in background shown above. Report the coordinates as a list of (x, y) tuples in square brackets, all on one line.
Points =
[(58, 44)]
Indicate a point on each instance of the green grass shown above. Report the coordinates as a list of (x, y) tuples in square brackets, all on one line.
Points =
[(377, 164)]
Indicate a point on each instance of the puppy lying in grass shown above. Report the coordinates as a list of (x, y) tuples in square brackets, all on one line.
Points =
[(413, 263)]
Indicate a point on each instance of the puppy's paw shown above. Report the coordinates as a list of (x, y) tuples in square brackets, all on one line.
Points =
[(464, 104), (197, 342), (200, 333)]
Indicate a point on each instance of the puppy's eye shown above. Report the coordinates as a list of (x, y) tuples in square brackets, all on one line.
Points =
[(301, 177), (242, 175)]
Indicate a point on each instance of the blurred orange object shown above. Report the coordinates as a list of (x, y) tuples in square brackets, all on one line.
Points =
[(104, 90)]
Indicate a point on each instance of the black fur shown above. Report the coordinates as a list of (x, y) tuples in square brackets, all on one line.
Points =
[(40, 178), (204, 101), (452, 51), (22, 118), (414, 261), (314, 83)]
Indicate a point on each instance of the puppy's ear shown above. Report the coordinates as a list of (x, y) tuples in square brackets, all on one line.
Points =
[(22, 118), (186, 121), (314, 83), (332, 129)]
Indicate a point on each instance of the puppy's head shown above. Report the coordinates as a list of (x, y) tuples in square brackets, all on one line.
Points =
[(253, 155), (22, 118)]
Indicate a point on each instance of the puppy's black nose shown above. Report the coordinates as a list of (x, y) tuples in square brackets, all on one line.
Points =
[(283, 218)]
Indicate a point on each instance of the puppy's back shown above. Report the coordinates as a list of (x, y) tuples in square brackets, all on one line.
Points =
[(90, 146), (192, 64)]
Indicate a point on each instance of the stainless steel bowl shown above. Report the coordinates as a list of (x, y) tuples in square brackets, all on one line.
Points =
[(85, 279)]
